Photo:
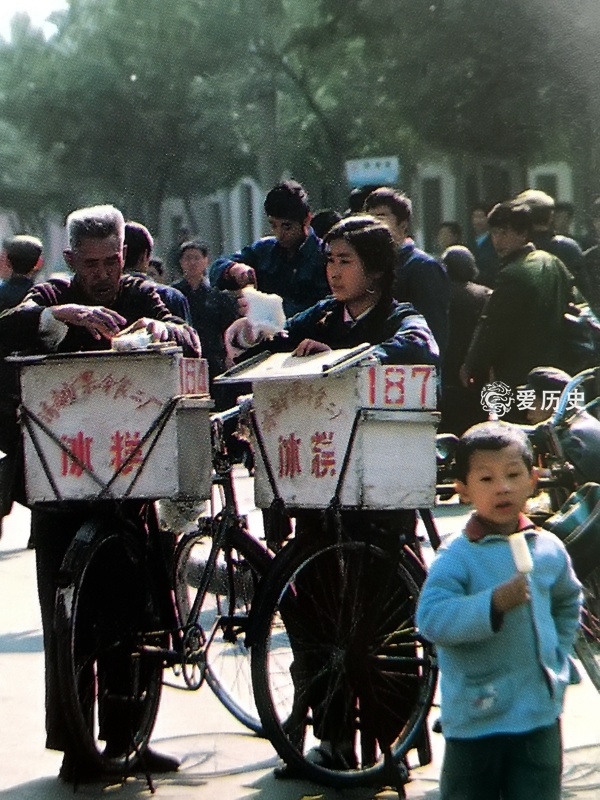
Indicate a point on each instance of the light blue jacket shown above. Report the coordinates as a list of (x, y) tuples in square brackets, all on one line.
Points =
[(511, 680)]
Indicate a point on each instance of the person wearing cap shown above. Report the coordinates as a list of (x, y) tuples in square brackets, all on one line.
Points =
[(543, 207), (461, 406), (542, 391), (21, 259), (522, 324), (289, 263)]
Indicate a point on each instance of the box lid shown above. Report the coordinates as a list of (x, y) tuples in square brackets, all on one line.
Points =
[(281, 366)]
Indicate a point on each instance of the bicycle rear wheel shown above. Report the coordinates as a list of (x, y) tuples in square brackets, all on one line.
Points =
[(336, 659), (587, 644), (223, 615), (111, 691)]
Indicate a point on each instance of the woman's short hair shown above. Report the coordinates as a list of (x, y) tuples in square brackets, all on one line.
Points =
[(373, 243)]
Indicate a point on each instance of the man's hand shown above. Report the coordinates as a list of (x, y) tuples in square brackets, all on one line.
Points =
[(99, 320), (465, 377), (157, 330), (242, 275), (309, 346), (511, 594)]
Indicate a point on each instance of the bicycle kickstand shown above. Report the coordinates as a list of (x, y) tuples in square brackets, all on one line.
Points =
[(397, 774)]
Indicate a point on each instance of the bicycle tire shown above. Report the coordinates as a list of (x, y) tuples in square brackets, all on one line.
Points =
[(587, 644), (99, 613), (239, 567), (356, 649)]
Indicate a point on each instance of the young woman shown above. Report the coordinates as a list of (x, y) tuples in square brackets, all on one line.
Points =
[(360, 255)]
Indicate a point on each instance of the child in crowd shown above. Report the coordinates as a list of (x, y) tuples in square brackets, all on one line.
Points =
[(503, 638)]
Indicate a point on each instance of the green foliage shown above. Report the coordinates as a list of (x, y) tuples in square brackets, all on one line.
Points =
[(134, 101)]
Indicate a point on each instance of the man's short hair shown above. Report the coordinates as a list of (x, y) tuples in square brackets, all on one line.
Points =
[(357, 197), (511, 215), (23, 252), (139, 243), (95, 222), (397, 202), (193, 244), (158, 264), (460, 263), (541, 204), (287, 200), (488, 436), (454, 228)]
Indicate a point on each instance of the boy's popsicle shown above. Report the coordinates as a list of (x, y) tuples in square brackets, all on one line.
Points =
[(520, 552)]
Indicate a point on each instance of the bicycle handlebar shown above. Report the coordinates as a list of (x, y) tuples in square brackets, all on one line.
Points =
[(561, 411)]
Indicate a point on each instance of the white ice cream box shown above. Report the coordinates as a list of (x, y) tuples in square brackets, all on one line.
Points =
[(341, 425), (132, 424)]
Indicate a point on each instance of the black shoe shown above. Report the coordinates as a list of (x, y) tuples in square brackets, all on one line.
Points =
[(158, 762), (73, 770), (322, 756)]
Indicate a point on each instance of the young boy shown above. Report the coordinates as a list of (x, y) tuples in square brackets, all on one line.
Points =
[(503, 638)]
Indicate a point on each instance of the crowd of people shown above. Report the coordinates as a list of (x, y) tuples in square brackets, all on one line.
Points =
[(489, 312)]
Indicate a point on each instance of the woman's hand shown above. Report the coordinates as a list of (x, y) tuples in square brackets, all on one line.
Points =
[(238, 337), (309, 346), (98, 320)]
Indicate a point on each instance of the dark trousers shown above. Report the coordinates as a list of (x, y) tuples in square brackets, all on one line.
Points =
[(53, 532), (318, 627), (504, 767)]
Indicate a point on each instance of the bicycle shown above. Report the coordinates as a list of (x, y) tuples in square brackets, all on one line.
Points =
[(128, 603), (566, 448), (332, 635), (351, 652)]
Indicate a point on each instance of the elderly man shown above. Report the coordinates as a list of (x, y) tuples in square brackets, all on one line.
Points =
[(84, 313)]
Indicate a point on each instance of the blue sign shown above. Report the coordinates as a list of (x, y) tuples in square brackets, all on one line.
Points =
[(383, 170)]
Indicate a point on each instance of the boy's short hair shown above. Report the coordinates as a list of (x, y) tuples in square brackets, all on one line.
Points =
[(23, 252), (490, 436), (288, 200)]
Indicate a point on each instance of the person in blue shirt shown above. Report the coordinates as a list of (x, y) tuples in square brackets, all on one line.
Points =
[(21, 257), (139, 244), (289, 263), (419, 279), (503, 637)]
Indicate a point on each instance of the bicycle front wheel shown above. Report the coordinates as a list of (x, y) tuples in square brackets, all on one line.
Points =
[(111, 691), (587, 644), (223, 615), (342, 679)]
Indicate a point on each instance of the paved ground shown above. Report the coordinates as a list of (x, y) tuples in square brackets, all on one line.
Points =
[(220, 759)]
